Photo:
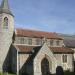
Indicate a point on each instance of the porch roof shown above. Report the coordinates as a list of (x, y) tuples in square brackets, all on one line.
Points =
[(31, 49)]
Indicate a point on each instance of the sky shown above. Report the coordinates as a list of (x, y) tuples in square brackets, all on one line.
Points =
[(44, 15)]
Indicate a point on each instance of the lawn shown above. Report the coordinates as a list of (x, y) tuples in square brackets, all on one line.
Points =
[(6, 74), (66, 73)]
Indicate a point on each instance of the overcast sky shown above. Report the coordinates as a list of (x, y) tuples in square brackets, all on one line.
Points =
[(45, 15)]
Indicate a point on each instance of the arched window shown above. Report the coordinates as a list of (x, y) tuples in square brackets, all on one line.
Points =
[(64, 58), (45, 67), (5, 23)]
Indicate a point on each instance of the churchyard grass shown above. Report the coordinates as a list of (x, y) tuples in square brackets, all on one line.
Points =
[(6, 74), (65, 73)]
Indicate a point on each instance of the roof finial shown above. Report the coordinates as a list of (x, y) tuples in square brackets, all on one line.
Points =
[(4, 8)]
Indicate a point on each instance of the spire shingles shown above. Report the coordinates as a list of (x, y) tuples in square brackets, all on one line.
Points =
[(4, 8)]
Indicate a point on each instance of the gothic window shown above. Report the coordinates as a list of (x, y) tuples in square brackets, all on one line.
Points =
[(51, 42), (45, 67), (30, 41), (64, 58), (5, 23)]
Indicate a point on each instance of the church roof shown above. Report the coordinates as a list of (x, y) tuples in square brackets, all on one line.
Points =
[(61, 50), (31, 49), (26, 49), (37, 34), (4, 8)]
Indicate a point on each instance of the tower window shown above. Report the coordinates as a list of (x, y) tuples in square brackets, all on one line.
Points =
[(5, 23)]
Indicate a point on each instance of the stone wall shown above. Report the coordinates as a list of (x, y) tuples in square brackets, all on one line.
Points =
[(74, 53), (5, 37), (66, 66), (13, 59), (5, 43), (25, 64), (34, 42), (44, 52), (10, 23), (22, 58)]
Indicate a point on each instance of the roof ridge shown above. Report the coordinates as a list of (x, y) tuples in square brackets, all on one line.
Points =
[(36, 33), (54, 49), (35, 30)]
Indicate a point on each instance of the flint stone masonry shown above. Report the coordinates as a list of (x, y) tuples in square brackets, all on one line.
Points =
[(34, 42), (5, 37), (5, 42), (44, 52)]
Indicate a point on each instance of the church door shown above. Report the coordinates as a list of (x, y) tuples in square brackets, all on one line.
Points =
[(45, 67)]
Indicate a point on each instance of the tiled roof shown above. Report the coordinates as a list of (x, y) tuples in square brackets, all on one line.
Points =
[(28, 49), (37, 34), (61, 50)]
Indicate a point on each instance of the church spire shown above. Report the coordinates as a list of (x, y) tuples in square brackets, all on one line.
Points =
[(4, 8)]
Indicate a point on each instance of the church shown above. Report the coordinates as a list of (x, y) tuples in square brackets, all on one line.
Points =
[(30, 51)]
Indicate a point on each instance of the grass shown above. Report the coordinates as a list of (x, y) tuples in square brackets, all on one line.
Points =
[(6, 74), (65, 73)]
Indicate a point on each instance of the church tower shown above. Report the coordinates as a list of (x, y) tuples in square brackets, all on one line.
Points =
[(6, 31)]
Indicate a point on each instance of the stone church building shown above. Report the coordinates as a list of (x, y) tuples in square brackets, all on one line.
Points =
[(29, 51)]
